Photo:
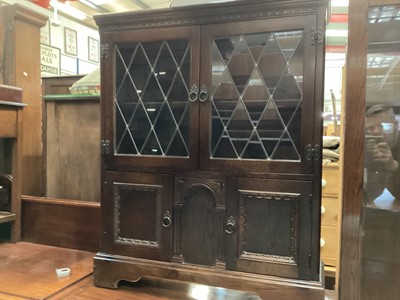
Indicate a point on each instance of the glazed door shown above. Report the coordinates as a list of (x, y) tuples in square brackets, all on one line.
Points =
[(269, 227), (137, 215), (149, 110), (257, 93)]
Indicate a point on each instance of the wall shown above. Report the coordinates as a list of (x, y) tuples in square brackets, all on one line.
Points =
[(53, 36)]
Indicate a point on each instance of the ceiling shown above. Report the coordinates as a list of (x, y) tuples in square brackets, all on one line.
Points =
[(94, 7)]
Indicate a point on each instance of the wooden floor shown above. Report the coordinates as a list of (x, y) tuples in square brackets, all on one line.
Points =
[(27, 271)]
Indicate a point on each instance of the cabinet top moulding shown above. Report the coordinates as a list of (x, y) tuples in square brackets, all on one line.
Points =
[(208, 14)]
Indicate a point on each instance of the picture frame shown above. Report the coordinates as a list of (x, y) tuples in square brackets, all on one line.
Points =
[(45, 34), (71, 43), (50, 61), (93, 50)]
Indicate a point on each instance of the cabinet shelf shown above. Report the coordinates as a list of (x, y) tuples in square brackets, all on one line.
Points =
[(6, 216)]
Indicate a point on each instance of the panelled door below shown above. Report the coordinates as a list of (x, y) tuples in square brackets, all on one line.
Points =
[(269, 227), (138, 220)]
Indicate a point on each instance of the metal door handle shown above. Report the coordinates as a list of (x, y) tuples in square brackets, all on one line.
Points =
[(230, 225), (203, 95), (194, 93)]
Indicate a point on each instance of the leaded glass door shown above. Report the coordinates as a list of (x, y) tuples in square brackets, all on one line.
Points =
[(151, 115), (259, 80)]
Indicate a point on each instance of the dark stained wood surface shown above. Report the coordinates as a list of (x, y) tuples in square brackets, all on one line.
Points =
[(10, 93), (110, 270), (127, 237), (61, 222), (21, 68), (353, 163), (28, 270), (19, 273), (358, 278), (11, 127), (58, 85), (72, 147)]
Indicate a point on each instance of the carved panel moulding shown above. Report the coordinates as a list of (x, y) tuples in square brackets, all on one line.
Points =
[(207, 14), (216, 187), (294, 198), (118, 187)]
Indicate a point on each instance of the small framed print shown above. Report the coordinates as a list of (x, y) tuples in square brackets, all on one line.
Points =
[(45, 34), (93, 46), (71, 43)]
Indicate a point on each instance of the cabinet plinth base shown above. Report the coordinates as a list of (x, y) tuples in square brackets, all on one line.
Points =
[(110, 269)]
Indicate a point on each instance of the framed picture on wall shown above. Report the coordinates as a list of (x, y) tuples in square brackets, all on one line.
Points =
[(71, 43), (45, 34), (93, 46)]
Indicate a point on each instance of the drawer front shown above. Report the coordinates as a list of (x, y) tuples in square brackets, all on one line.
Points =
[(329, 245), (330, 181), (329, 210)]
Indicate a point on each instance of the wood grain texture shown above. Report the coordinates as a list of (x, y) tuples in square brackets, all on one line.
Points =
[(10, 93), (83, 288), (11, 127), (8, 122), (109, 269), (62, 223), (58, 85), (353, 162), (277, 233), (22, 69), (72, 151), (29, 271)]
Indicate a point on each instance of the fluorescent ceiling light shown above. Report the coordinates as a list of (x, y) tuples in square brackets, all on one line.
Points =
[(68, 9), (101, 2)]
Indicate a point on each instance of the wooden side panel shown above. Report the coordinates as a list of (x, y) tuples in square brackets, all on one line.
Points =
[(22, 69), (73, 149), (352, 162), (8, 123), (61, 223)]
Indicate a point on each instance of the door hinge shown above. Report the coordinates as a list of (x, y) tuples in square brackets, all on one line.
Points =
[(309, 261), (105, 147), (104, 50), (313, 152), (317, 36)]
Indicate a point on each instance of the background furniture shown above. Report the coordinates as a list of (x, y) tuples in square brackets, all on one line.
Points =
[(72, 155), (330, 218), (362, 226), (20, 66), (69, 213), (11, 131), (211, 136)]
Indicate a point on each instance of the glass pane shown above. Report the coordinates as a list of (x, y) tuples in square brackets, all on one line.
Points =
[(256, 95), (151, 102), (381, 213)]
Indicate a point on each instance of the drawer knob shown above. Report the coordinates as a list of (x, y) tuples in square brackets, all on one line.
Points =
[(323, 182), (323, 210), (322, 243)]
